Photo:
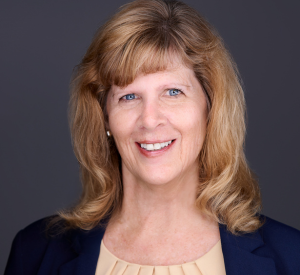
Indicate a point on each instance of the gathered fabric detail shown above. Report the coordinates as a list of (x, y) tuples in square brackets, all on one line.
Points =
[(212, 263)]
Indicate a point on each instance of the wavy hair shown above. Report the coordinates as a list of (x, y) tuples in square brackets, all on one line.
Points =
[(141, 38)]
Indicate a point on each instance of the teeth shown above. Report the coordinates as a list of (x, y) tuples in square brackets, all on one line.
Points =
[(155, 146), (149, 147)]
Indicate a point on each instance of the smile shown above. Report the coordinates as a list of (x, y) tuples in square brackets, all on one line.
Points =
[(155, 146)]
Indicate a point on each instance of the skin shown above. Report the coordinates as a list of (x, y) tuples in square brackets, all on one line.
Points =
[(160, 186)]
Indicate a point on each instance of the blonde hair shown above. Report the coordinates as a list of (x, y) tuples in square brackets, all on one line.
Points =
[(140, 39)]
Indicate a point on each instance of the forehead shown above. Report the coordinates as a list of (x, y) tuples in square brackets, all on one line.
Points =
[(176, 74), (146, 62)]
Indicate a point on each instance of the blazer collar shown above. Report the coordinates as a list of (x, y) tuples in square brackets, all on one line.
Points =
[(238, 252), (87, 246)]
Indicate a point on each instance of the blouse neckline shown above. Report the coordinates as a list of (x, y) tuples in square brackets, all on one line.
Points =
[(211, 263)]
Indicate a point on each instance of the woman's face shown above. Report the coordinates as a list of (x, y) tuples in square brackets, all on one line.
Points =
[(159, 124)]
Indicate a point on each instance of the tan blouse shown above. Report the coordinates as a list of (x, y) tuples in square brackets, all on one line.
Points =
[(212, 263)]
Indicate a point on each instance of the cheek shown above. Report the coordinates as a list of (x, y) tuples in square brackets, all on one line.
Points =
[(193, 131), (121, 126), (193, 121), (196, 134), (118, 127)]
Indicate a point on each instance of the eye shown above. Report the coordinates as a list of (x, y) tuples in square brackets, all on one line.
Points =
[(128, 97), (174, 92)]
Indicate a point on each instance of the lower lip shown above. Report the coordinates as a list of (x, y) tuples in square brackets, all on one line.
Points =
[(154, 153)]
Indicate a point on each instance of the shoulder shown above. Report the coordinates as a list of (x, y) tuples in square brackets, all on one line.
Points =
[(282, 244), (32, 237), (33, 243), (40, 233), (280, 235), (274, 246), (34, 233)]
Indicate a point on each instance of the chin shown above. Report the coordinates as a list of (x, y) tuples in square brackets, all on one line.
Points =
[(157, 179)]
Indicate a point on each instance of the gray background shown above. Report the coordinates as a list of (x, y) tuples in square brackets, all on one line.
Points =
[(42, 41)]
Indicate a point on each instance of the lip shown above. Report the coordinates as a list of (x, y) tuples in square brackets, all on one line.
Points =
[(155, 153), (154, 141)]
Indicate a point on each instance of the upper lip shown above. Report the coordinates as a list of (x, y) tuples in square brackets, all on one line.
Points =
[(153, 141)]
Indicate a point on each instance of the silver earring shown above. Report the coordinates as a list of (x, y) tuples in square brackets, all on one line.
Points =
[(108, 133)]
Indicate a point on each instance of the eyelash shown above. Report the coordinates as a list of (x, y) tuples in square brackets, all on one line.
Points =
[(126, 99), (179, 91)]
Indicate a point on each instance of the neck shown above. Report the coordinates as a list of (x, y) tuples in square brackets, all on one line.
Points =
[(160, 206), (160, 221)]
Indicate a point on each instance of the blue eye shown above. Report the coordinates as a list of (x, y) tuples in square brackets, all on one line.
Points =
[(174, 92), (129, 97)]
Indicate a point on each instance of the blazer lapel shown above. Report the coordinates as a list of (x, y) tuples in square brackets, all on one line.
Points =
[(87, 245), (239, 254)]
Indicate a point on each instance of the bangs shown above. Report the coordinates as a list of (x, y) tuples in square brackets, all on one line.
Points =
[(142, 54)]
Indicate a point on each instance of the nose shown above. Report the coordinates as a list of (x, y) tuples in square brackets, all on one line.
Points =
[(152, 115)]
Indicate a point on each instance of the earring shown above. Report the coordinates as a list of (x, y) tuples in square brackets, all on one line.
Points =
[(108, 133)]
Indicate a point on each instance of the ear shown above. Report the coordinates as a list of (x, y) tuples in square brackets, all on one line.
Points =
[(106, 118), (102, 98), (107, 127)]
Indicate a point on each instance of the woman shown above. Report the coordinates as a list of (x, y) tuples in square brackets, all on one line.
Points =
[(157, 116)]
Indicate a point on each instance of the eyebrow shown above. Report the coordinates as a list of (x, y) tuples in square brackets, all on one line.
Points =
[(174, 84)]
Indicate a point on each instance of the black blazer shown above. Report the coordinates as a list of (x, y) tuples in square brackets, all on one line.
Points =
[(273, 249)]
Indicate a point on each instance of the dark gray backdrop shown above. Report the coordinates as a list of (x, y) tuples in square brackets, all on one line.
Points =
[(41, 42)]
